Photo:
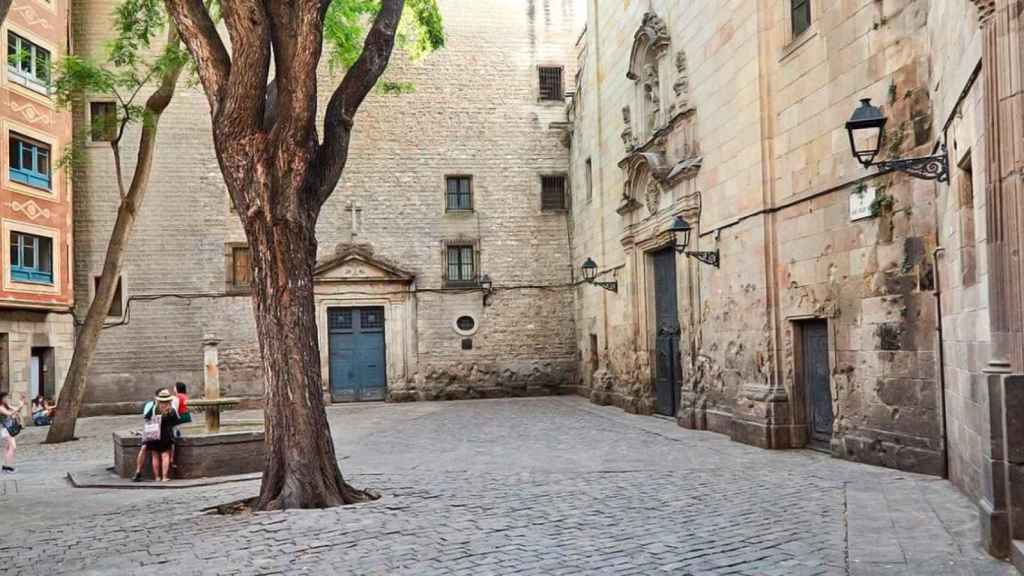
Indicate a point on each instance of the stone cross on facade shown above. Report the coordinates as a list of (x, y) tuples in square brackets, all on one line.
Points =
[(357, 218)]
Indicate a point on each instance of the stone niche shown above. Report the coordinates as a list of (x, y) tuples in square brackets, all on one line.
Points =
[(208, 455)]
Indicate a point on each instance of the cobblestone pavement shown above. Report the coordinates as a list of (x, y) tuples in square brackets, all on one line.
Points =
[(532, 487)]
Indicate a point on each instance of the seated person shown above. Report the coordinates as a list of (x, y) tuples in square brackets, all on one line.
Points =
[(42, 411)]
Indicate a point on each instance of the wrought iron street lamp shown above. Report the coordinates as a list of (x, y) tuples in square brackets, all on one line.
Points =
[(681, 231), (590, 274), (867, 132)]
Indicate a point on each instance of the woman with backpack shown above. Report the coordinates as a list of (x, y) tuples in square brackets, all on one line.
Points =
[(158, 435), (9, 428)]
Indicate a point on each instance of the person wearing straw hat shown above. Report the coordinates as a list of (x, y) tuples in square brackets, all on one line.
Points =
[(160, 448)]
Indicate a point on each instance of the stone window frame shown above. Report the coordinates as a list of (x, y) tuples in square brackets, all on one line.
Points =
[(651, 42), (231, 286), (471, 331), (793, 43), (57, 258), (122, 286), (458, 243)]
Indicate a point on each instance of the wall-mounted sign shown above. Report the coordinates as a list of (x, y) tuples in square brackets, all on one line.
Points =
[(861, 201)]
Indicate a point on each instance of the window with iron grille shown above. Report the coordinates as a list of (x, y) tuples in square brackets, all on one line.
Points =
[(103, 119), (801, 16), (551, 84), (552, 192), (460, 193), (339, 319), (461, 267)]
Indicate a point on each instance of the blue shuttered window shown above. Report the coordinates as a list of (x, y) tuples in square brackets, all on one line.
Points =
[(31, 258), (29, 162)]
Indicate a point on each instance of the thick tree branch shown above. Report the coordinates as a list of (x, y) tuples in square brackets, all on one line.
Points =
[(5, 6), (204, 43), (242, 101), (358, 81)]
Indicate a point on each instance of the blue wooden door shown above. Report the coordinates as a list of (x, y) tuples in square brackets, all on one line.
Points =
[(357, 356)]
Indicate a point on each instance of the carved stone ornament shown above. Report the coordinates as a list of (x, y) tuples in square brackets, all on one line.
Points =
[(653, 196), (652, 35), (652, 87), (681, 87), (628, 138), (985, 9)]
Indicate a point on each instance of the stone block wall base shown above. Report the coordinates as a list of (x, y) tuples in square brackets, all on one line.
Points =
[(889, 454), (995, 530), (720, 422), (750, 432)]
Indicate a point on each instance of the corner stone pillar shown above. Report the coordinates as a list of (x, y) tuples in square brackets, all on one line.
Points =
[(1002, 502)]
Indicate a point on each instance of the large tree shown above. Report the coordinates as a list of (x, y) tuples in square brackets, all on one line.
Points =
[(138, 65), (280, 169)]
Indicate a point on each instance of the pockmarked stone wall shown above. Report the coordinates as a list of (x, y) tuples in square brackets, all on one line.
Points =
[(730, 119), (475, 110), (962, 229)]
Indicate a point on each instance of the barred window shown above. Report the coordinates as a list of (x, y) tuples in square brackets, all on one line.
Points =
[(551, 84), (459, 195), (552, 192), (461, 269), (801, 16)]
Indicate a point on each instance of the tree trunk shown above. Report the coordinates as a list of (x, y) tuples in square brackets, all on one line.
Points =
[(72, 393), (300, 467)]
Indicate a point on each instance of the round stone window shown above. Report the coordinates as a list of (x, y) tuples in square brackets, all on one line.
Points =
[(465, 325)]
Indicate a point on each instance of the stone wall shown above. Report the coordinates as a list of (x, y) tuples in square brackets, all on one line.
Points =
[(767, 176), (475, 111), (962, 232)]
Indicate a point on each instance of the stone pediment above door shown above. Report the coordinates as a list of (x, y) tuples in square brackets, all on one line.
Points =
[(356, 263)]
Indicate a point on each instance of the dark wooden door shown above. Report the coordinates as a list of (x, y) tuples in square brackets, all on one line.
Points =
[(814, 356), (667, 373), (357, 355)]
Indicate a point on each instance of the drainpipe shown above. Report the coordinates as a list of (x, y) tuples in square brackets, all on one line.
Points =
[(942, 359)]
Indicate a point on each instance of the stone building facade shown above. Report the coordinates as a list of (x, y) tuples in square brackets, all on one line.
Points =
[(36, 289), (817, 326), (868, 313), (461, 178)]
